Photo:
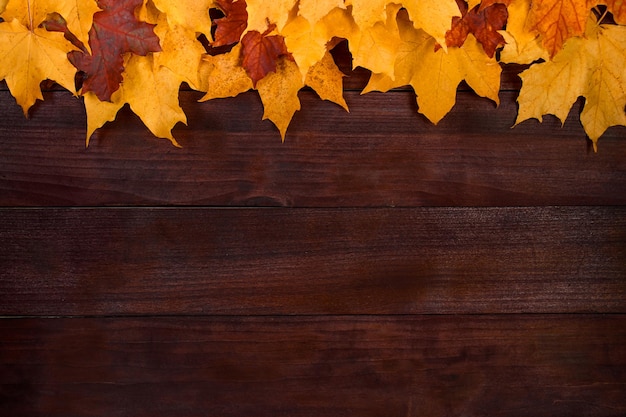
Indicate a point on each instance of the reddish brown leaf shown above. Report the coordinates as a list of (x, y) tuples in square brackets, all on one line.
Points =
[(115, 31), (260, 53), (231, 26), (483, 24)]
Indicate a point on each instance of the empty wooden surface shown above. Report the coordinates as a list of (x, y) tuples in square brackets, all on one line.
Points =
[(372, 265), (111, 262), (496, 365)]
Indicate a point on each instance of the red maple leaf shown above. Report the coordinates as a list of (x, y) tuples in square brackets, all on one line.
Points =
[(260, 53), (231, 26), (115, 31), (483, 23)]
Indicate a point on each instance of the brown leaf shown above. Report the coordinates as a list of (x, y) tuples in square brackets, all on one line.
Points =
[(115, 31), (231, 26), (261, 52), (483, 24)]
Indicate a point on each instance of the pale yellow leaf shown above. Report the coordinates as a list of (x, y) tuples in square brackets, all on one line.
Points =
[(279, 94), (224, 75), (327, 80)]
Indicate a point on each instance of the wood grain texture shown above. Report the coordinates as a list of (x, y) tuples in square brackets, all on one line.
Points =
[(381, 154), (556, 365), (312, 261)]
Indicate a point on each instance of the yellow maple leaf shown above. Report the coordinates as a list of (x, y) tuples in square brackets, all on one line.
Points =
[(78, 14), (309, 42), (181, 51), (523, 46), (224, 75), (307, 46), (376, 46), (30, 55), (3, 5), (593, 67), (279, 94), (190, 14), (152, 94), (435, 75), (327, 80)]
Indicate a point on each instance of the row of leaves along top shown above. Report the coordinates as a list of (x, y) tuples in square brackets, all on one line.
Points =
[(139, 52)]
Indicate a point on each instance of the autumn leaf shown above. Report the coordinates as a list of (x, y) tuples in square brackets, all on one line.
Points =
[(432, 16), (77, 14), (151, 92), (30, 55), (225, 77), (115, 31), (483, 24), (260, 53), (233, 24), (327, 80), (593, 67), (279, 94), (522, 46), (376, 47), (557, 21), (435, 74)]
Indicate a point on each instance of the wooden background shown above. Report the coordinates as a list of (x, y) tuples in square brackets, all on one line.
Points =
[(372, 265)]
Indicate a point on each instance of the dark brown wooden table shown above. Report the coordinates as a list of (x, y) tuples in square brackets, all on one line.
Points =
[(372, 265)]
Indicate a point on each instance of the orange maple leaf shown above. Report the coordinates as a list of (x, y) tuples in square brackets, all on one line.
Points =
[(557, 21)]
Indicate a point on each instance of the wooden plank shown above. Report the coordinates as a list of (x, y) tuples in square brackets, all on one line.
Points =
[(303, 366), (79, 262), (381, 154)]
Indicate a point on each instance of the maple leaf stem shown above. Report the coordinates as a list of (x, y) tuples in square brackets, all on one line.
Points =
[(30, 16)]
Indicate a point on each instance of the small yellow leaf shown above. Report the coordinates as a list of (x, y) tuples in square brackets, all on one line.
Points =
[(327, 80), (279, 94), (225, 76)]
